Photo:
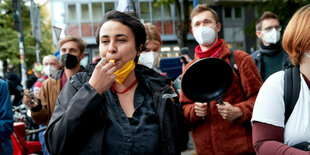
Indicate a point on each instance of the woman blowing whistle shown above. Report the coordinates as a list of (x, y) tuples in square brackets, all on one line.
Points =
[(117, 106)]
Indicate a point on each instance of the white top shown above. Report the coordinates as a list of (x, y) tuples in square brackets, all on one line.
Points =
[(269, 108)]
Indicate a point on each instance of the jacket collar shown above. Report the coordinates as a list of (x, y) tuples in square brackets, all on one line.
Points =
[(59, 73), (153, 80), (224, 52)]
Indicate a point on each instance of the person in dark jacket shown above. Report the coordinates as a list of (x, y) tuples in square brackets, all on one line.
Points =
[(271, 57), (6, 120), (14, 83), (117, 106)]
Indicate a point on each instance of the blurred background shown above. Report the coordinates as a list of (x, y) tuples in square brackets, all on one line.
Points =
[(31, 29)]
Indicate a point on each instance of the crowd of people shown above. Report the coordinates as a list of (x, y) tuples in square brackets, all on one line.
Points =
[(123, 103)]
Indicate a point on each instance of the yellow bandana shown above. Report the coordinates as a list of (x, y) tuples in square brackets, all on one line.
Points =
[(122, 73)]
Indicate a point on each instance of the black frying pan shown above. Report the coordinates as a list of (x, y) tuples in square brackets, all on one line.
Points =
[(207, 79)]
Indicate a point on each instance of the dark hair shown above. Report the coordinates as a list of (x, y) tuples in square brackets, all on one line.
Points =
[(10, 68), (266, 15), (129, 20)]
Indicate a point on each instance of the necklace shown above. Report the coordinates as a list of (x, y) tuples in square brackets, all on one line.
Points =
[(124, 91)]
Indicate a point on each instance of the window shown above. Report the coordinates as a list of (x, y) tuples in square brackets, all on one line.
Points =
[(167, 12), (228, 13), (233, 12), (108, 6), (145, 11), (238, 12), (72, 13), (156, 14), (97, 11), (85, 12)]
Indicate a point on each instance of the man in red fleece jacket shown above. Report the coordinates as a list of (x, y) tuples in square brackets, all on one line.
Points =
[(221, 129)]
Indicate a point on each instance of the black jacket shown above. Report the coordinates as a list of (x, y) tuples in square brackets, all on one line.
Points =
[(31, 81), (272, 49), (15, 87), (78, 123)]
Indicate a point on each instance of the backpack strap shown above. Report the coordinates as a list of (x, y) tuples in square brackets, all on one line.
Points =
[(233, 62), (291, 90), (235, 68)]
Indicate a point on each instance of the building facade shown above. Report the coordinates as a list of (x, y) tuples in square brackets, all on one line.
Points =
[(82, 17)]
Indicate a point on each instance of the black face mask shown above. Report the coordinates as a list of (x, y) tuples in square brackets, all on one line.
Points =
[(69, 61)]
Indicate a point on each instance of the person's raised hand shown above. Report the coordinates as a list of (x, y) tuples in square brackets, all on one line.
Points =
[(103, 76), (29, 99)]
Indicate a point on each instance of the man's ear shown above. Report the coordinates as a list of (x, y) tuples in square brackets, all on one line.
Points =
[(258, 34), (141, 48), (82, 56), (219, 27)]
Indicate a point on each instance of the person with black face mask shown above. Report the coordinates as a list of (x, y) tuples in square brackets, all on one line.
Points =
[(270, 58), (71, 53)]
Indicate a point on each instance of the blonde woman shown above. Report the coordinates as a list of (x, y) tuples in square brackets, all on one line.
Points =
[(150, 56)]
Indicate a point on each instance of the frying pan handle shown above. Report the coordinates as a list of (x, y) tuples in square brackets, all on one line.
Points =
[(220, 101)]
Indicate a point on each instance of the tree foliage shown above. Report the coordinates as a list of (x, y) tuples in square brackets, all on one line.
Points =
[(9, 40)]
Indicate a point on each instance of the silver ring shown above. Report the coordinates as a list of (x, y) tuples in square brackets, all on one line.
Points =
[(102, 61)]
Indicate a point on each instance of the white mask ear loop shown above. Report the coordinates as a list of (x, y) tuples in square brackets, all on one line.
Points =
[(307, 54)]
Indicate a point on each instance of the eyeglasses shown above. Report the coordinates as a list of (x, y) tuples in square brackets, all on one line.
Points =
[(278, 28)]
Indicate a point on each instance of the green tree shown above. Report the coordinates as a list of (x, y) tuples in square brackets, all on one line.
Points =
[(9, 40)]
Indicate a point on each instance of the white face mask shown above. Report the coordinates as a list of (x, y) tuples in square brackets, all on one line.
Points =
[(272, 36), (48, 70), (204, 35), (149, 59)]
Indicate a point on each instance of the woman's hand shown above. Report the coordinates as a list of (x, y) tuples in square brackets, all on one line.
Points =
[(103, 76), (228, 111), (29, 99)]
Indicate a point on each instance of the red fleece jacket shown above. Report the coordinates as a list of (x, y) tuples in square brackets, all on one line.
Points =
[(214, 135)]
